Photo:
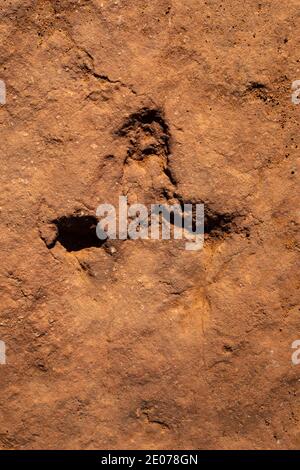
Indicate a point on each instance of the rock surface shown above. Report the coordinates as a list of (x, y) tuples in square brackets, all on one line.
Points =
[(141, 344)]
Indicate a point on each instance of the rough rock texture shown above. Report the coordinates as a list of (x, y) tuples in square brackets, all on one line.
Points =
[(142, 344)]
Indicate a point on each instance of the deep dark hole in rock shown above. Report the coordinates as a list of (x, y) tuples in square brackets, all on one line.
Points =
[(256, 86), (77, 232), (217, 224)]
